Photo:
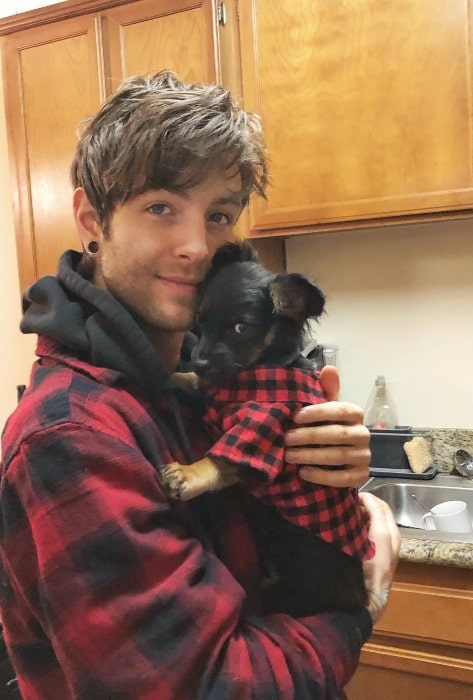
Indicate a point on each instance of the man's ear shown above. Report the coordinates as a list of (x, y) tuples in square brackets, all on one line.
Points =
[(295, 296), (85, 217)]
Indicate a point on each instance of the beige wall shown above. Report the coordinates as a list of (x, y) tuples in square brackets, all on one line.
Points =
[(16, 349), (400, 303)]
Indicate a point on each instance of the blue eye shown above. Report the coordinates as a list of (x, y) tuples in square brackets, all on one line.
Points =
[(158, 208), (219, 217)]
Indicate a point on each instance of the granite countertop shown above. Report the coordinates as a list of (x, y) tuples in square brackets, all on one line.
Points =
[(435, 552)]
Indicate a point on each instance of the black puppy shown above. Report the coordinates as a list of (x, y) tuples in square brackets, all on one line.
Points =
[(251, 324), (249, 316)]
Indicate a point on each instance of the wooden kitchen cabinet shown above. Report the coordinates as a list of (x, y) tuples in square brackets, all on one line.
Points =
[(147, 36), (366, 109), (422, 647), (53, 79), (57, 71), (366, 105)]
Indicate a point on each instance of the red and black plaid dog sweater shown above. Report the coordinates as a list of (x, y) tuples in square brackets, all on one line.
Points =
[(249, 418)]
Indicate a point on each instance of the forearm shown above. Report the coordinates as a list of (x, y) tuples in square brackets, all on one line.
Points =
[(287, 658)]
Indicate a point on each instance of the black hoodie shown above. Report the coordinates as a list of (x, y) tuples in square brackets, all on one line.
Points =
[(87, 324), (95, 327)]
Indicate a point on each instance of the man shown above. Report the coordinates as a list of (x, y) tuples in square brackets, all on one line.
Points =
[(111, 590)]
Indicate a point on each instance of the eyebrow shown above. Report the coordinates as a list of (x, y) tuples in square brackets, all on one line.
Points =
[(237, 201)]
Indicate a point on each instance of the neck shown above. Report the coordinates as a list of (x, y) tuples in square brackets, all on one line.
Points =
[(167, 345)]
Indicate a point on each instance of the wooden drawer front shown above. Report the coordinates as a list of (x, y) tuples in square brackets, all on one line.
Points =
[(433, 613), (378, 683)]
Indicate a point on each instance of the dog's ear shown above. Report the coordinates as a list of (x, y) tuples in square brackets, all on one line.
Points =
[(234, 252), (295, 296)]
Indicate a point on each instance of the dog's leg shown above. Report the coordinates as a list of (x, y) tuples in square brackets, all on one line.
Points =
[(186, 481)]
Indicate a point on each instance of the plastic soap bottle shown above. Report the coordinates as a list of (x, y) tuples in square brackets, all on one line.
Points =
[(380, 411)]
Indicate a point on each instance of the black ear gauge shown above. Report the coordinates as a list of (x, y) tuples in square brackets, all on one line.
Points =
[(93, 247)]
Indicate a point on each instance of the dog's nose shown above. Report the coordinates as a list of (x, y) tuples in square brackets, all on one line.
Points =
[(201, 366)]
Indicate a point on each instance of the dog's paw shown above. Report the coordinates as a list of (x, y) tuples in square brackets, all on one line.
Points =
[(175, 482), (173, 479)]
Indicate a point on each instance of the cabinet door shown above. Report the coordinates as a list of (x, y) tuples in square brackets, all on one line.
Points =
[(422, 646), (394, 683), (147, 36), (366, 108), (51, 85)]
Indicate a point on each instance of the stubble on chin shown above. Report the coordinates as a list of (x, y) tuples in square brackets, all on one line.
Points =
[(148, 312), (176, 320)]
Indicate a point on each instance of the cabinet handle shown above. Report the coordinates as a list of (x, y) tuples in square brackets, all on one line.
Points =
[(222, 14)]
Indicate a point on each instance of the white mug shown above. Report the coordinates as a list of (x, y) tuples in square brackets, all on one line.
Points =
[(450, 516)]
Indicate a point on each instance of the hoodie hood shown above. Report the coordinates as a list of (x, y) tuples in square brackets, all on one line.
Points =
[(93, 326)]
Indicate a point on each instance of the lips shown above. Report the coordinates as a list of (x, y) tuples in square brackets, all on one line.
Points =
[(180, 284), (180, 280)]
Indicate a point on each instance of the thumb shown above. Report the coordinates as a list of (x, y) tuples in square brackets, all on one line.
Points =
[(330, 380)]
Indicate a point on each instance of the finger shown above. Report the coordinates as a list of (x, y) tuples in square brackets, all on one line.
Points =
[(333, 456), (353, 476), (330, 380), (385, 533), (374, 506), (380, 516), (339, 434), (394, 530), (330, 412)]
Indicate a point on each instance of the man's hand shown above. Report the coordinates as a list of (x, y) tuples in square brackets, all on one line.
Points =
[(379, 570), (331, 434)]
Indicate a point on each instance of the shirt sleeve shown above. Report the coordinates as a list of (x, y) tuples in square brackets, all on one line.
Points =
[(252, 435), (135, 608)]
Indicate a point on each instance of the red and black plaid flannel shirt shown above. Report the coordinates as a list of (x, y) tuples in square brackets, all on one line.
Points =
[(106, 592), (250, 417)]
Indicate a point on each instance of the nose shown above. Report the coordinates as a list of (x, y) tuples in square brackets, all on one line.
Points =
[(193, 244)]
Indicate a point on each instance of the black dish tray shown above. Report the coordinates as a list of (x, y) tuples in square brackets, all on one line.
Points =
[(388, 458), (388, 472)]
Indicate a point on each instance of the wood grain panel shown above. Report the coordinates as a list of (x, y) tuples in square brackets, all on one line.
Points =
[(147, 36), (371, 683), (422, 646), (52, 85), (366, 106), (443, 614)]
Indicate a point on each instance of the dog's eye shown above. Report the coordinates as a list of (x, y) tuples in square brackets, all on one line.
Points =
[(240, 328)]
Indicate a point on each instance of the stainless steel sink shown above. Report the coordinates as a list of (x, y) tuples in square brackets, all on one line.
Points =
[(397, 494)]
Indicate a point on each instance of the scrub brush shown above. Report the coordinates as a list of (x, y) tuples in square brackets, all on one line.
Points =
[(418, 454)]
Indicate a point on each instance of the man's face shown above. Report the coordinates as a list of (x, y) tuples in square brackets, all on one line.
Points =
[(160, 246)]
